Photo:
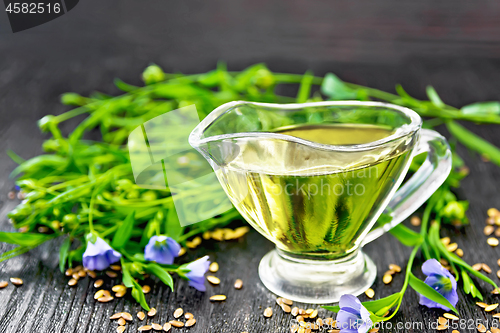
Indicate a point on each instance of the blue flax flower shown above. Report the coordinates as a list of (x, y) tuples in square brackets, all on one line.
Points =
[(162, 249), (441, 281), (99, 255), (196, 274), (353, 317)]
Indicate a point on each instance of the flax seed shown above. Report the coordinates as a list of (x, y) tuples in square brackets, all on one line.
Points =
[(319, 322), (121, 322), (117, 315), (156, 327), (442, 327), (493, 212), (369, 293), (238, 284), (302, 311), (459, 252), (491, 307), (146, 289), (145, 328), (497, 232), (481, 328), (16, 281), (75, 276), (496, 315), (477, 267), (3, 284), (213, 279), (395, 268), (495, 330), (105, 299), (450, 316), (452, 247), (72, 282), (287, 301), (486, 268), (98, 283), (188, 315), (214, 267), (178, 312), (111, 274), (120, 294), (141, 315), (415, 221), (116, 267), (286, 308), (127, 316), (300, 318), (442, 320), (373, 330), (100, 293), (309, 311), (488, 230), (120, 329), (492, 241), (387, 279), (92, 274), (190, 322), (176, 323), (182, 251), (268, 312), (295, 311), (314, 314), (167, 327), (218, 298), (445, 240), (481, 305), (455, 331), (152, 312), (69, 272), (82, 274), (119, 288)]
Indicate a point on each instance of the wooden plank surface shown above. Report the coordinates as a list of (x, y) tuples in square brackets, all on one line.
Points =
[(454, 46)]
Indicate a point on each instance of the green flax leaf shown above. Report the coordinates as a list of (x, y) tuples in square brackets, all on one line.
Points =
[(425, 290), (161, 273), (63, 253), (122, 235), (406, 236)]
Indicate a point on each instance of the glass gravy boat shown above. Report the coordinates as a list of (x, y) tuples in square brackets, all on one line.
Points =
[(314, 178)]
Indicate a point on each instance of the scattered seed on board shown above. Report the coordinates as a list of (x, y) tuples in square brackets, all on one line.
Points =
[(486, 268), (459, 252), (387, 278), (442, 320), (218, 298), (3, 284), (156, 327), (477, 267), (111, 274), (151, 312), (300, 318), (146, 289), (313, 314), (497, 232), (488, 230), (178, 312), (182, 251), (481, 304), (92, 274), (286, 308), (176, 323), (100, 293), (238, 284), (295, 311), (452, 247), (120, 294), (450, 316), (72, 282), (121, 322), (442, 327), (120, 329), (455, 331), (16, 281), (491, 307), (395, 268), (268, 312), (167, 327), (287, 301), (415, 221), (117, 315), (75, 276), (374, 330), (370, 293), (98, 283), (495, 330), (144, 328), (127, 316), (190, 322), (82, 274), (214, 267), (481, 328), (116, 267), (119, 288), (188, 315), (492, 241), (141, 315), (445, 240), (105, 299), (498, 274), (213, 279)]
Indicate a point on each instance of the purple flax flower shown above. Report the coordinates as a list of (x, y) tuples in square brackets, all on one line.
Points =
[(353, 317), (99, 255), (162, 249), (440, 280), (196, 274)]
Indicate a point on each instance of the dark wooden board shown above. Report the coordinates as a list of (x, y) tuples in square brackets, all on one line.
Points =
[(454, 46)]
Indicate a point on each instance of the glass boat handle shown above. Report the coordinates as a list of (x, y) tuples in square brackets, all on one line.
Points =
[(421, 185)]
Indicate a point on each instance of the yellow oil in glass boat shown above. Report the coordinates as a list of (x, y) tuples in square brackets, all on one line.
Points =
[(312, 202)]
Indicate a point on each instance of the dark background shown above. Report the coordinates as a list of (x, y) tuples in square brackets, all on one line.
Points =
[(452, 45)]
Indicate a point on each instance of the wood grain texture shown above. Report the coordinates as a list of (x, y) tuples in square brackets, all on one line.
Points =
[(453, 45)]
